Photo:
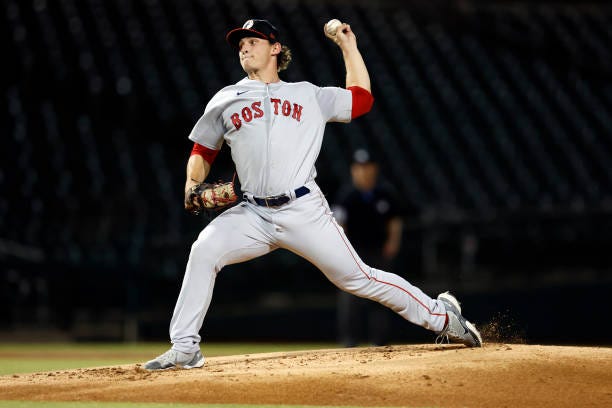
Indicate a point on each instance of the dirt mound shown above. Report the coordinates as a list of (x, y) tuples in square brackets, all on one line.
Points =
[(409, 375)]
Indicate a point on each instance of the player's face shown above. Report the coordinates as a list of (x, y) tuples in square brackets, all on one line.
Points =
[(255, 53)]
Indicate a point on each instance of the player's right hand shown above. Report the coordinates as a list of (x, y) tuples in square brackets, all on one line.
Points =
[(344, 36)]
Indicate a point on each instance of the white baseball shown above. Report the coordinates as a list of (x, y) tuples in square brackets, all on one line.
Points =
[(332, 26)]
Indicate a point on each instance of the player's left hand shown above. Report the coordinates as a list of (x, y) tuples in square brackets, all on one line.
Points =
[(192, 201), (213, 197)]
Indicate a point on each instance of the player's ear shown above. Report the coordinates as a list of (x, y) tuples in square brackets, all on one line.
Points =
[(276, 48)]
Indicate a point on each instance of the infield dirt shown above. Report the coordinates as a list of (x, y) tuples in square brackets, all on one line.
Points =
[(497, 375)]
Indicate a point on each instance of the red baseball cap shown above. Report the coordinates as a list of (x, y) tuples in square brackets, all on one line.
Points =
[(253, 28)]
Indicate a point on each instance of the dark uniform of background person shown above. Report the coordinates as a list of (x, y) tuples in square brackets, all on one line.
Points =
[(370, 215)]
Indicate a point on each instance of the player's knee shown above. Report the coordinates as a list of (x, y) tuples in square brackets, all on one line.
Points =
[(357, 282), (204, 253)]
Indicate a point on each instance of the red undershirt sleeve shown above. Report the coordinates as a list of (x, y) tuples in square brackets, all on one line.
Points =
[(206, 153), (362, 101)]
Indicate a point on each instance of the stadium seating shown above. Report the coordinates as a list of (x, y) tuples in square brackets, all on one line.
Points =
[(481, 113)]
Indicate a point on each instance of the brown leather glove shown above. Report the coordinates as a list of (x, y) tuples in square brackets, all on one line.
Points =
[(210, 197)]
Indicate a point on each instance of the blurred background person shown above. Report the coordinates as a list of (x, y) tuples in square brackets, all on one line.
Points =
[(369, 213)]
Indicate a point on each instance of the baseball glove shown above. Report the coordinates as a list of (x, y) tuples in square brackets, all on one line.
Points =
[(210, 197)]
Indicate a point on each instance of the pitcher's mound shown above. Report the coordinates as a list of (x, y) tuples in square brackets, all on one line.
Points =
[(409, 375)]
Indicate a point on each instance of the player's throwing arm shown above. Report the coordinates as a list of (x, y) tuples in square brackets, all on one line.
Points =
[(356, 71)]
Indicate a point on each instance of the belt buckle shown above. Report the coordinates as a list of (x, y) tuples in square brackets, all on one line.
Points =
[(275, 201)]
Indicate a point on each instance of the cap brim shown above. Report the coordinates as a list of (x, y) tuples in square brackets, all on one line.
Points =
[(237, 34)]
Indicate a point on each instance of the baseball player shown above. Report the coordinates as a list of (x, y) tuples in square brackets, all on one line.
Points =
[(275, 130)]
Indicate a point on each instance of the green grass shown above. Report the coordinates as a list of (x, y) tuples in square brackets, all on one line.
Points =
[(27, 358)]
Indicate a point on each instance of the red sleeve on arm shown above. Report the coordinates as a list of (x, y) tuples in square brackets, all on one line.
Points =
[(206, 153), (362, 101)]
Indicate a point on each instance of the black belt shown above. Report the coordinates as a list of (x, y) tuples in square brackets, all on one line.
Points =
[(277, 201)]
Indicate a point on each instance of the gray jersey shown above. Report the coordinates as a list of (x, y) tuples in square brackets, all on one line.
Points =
[(274, 130)]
